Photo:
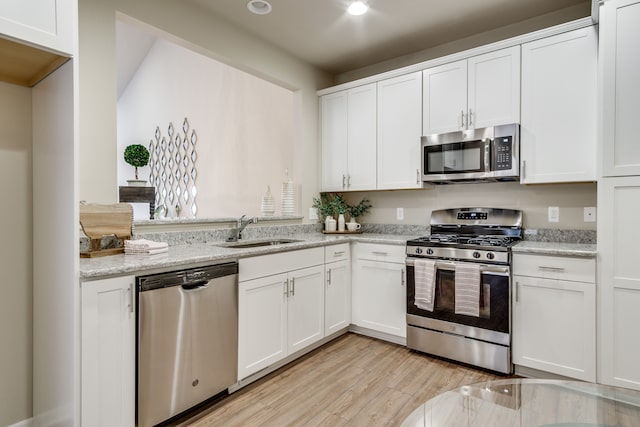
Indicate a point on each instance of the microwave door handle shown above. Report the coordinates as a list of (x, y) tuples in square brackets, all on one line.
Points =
[(487, 155)]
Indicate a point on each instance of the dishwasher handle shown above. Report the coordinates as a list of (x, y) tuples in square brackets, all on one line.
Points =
[(195, 286)]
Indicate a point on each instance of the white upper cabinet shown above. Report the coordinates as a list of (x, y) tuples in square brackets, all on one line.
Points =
[(42, 23), (558, 130), (477, 92), (399, 126), (349, 139), (619, 41)]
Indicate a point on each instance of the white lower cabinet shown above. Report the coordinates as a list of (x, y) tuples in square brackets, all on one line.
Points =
[(281, 313), (554, 315), (379, 291), (108, 352), (337, 312)]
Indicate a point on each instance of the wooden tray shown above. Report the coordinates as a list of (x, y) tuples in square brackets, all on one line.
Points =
[(99, 220), (342, 232)]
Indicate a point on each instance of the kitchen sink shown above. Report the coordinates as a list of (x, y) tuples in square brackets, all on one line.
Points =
[(256, 243)]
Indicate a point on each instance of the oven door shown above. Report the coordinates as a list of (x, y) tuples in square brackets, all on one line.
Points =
[(495, 285), (456, 160)]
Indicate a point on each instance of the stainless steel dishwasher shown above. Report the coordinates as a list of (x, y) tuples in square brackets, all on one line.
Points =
[(187, 339)]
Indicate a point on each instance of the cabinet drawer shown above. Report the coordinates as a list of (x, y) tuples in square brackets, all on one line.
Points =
[(575, 269), (267, 265), (336, 252), (378, 252)]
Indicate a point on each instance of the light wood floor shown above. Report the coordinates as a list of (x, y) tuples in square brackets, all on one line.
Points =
[(351, 381)]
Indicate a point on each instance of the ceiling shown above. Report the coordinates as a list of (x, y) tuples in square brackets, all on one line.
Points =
[(321, 33)]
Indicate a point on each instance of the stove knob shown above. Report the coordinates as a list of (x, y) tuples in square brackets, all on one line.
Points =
[(476, 254), (429, 251), (418, 250), (490, 255)]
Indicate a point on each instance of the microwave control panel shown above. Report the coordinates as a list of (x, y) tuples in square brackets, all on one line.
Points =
[(502, 153)]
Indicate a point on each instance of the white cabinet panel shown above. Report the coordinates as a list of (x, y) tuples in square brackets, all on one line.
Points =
[(349, 139), (337, 297), (559, 108), (44, 23), (305, 303), (399, 131), (494, 88), (619, 284), (619, 41), (262, 323), (555, 326), (108, 352), (444, 98)]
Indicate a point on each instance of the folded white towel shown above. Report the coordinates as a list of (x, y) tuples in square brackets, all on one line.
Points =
[(424, 271), (468, 289), (144, 246)]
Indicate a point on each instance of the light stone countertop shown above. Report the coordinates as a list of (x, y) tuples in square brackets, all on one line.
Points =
[(556, 248), (193, 255)]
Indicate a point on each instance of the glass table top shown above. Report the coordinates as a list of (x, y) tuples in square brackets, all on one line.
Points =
[(530, 403)]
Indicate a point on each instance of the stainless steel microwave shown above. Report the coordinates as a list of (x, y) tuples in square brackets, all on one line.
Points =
[(487, 154)]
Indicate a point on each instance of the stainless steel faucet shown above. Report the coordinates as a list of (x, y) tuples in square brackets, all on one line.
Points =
[(241, 224)]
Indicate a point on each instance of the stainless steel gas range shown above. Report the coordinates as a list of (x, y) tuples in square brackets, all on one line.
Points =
[(459, 286)]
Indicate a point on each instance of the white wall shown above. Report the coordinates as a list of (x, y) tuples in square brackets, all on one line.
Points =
[(207, 34), (244, 125), (533, 200), (15, 254)]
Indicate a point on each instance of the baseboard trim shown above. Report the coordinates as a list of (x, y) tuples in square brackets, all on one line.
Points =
[(24, 423)]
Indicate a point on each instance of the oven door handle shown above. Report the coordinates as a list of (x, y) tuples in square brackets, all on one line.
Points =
[(497, 270)]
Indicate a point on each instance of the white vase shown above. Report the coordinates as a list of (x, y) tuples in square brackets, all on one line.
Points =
[(330, 224), (341, 222)]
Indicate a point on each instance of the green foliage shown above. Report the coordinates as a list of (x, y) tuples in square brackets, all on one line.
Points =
[(330, 204), (137, 156), (360, 209)]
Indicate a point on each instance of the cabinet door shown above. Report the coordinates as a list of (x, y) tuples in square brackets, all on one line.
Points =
[(108, 352), (334, 140), (262, 322), (399, 126), (305, 307), (379, 297), (558, 130), (494, 88), (361, 139), (44, 23), (619, 40), (444, 98), (337, 314), (619, 282), (555, 326)]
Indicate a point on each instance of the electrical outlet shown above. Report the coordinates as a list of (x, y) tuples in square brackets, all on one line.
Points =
[(590, 214), (400, 214), (313, 213), (554, 214)]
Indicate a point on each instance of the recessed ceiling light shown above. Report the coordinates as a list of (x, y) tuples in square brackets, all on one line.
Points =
[(259, 7), (358, 8)]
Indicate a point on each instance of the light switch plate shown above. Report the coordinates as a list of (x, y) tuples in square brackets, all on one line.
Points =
[(554, 214), (313, 213), (400, 214), (590, 214)]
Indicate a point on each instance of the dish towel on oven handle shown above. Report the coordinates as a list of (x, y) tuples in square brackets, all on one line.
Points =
[(468, 289), (424, 271)]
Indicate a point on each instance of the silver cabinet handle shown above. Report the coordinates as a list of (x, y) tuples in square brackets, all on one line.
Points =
[(380, 253), (286, 287), (338, 253), (130, 297), (517, 290), (349, 181), (461, 119), (524, 169), (329, 276), (553, 269), (344, 177), (293, 286), (417, 176), (470, 116), (402, 277)]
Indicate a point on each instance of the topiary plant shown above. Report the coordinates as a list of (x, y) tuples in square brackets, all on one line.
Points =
[(137, 156)]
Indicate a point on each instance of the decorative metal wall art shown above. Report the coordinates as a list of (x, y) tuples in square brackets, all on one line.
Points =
[(172, 162)]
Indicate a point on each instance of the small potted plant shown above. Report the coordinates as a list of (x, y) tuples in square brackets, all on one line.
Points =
[(358, 210), (137, 156)]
